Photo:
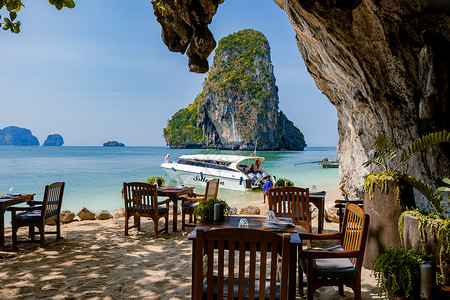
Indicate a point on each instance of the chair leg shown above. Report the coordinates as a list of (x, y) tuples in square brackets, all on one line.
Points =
[(341, 289), (155, 222), (42, 235), (31, 232), (14, 238), (126, 224), (58, 229), (166, 229), (183, 219), (357, 289), (137, 222), (300, 278), (310, 280)]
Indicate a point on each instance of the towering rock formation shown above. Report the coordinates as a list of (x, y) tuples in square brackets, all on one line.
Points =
[(238, 107), (383, 64)]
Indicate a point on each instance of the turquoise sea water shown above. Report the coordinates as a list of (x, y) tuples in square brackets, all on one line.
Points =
[(94, 175)]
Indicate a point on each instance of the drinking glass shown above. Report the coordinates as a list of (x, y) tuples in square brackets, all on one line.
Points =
[(243, 223), (270, 216), (12, 191)]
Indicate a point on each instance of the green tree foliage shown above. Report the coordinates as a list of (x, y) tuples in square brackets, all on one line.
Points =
[(182, 127), (244, 49), (12, 7)]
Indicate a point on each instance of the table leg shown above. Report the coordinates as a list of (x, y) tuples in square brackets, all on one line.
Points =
[(175, 212), (292, 272), (2, 229), (321, 216), (193, 270)]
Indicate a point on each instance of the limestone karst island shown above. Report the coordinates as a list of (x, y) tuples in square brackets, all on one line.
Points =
[(238, 106)]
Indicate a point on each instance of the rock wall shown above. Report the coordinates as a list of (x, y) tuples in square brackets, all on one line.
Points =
[(384, 65)]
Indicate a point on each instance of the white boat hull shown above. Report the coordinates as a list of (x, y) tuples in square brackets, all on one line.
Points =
[(199, 177)]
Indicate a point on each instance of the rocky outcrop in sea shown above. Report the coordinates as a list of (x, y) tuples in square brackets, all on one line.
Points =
[(54, 140), (238, 107), (16, 136)]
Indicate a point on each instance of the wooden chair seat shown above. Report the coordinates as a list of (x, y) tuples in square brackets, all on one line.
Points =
[(145, 208), (331, 267)]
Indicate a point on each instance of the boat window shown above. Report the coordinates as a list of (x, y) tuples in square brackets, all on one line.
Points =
[(207, 164)]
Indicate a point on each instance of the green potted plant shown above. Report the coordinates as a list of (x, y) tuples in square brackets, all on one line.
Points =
[(384, 156), (158, 179), (397, 272), (205, 209), (390, 192), (283, 182)]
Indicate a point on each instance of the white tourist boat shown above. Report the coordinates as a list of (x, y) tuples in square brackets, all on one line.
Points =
[(233, 171)]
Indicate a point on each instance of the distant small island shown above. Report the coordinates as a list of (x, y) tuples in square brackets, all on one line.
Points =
[(54, 140), (113, 144)]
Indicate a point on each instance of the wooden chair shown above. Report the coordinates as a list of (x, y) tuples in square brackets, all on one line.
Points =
[(340, 264), (340, 208), (291, 202), (244, 266), (141, 200), (188, 203), (38, 216)]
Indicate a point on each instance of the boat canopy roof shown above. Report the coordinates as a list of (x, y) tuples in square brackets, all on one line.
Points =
[(221, 158)]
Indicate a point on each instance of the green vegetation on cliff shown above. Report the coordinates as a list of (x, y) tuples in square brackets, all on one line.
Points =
[(182, 127), (244, 50)]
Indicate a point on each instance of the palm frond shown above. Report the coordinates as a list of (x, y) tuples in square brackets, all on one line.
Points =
[(384, 152), (422, 143), (433, 197)]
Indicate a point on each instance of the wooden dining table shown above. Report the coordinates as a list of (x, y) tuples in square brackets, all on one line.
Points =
[(174, 194), (253, 223), (6, 202)]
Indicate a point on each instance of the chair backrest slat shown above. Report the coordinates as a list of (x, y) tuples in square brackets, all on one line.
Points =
[(247, 252), (354, 231), (52, 201)]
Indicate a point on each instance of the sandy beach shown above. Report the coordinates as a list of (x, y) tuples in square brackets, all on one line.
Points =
[(96, 261)]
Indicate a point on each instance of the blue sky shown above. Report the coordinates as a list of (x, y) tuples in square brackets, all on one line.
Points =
[(101, 72)]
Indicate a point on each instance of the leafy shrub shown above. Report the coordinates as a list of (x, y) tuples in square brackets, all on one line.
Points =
[(282, 181), (151, 180), (205, 209), (397, 272)]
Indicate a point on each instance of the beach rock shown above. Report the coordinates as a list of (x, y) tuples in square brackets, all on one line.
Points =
[(85, 214), (54, 140), (103, 214), (67, 216), (331, 214), (250, 210), (16, 136), (118, 213), (236, 114), (233, 210), (384, 65)]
